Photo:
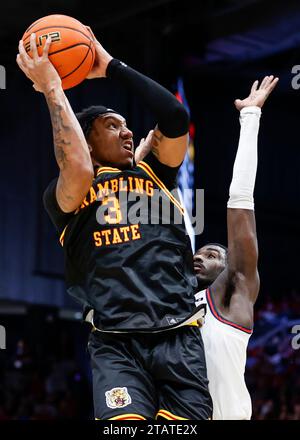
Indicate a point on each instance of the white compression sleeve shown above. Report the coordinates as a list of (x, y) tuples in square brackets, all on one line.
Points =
[(245, 165)]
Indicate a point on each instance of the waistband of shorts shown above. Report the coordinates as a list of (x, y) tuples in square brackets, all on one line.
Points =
[(198, 322)]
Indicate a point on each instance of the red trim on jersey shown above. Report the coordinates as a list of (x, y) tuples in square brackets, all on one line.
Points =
[(220, 318)]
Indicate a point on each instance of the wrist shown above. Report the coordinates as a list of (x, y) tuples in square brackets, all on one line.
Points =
[(54, 94), (103, 58), (251, 109), (107, 60), (52, 86), (113, 66)]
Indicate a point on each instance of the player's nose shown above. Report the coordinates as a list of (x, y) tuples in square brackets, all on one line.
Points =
[(198, 258), (126, 133)]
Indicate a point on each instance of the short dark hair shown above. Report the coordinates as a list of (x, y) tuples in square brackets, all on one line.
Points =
[(87, 116), (216, 244)]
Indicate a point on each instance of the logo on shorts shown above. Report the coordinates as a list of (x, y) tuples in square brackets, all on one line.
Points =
[(117, 398), (172, 321)]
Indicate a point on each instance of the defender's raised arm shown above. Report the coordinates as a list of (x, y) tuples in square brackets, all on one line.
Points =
[(242, 240)]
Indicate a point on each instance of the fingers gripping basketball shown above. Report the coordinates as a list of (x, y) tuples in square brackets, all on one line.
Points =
[(72, 49)]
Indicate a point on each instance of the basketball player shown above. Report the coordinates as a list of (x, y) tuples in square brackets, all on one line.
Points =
[(135, 281), (228, 280)]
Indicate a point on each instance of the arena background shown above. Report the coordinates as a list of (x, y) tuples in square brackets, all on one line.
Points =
[(218, 48)]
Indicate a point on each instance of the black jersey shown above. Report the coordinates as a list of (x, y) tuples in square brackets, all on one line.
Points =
[(126, 256)]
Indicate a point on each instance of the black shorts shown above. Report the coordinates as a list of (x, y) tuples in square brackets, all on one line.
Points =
[(147, 376)]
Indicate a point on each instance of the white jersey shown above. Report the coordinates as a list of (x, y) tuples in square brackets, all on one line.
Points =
[(225, 346)]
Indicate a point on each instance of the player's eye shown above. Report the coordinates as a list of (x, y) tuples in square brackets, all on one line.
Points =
[(211, 256), (112, 124)]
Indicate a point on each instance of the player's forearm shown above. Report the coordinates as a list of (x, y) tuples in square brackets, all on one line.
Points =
[(70, 147), (245, 165), (170, 114), (242, 240)]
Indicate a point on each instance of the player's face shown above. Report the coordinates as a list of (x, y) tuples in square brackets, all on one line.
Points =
[(111, 141), (209, 262)]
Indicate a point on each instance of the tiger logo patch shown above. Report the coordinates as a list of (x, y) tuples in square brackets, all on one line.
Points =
[(117, 398)]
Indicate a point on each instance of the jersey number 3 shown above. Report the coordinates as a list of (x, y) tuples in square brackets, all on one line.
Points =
[(114, 215)]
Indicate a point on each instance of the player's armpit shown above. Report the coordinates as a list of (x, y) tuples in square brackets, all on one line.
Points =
[(234, 298), (169, 151)]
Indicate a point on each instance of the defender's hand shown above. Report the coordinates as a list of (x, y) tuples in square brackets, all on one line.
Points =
[(259, 95), (38, 69), (144, 147), (102, 58)]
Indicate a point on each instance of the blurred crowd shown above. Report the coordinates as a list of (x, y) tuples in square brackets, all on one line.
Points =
[(273, 365), (53, 386), (53, 381)]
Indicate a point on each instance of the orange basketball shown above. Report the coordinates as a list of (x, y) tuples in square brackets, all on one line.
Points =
[(72, 50)]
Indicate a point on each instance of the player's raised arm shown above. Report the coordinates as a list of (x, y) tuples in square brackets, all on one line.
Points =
[(170, 137), (242, 241), (70, 147)]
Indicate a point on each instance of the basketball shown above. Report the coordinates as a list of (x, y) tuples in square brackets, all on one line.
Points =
[(71, 52)]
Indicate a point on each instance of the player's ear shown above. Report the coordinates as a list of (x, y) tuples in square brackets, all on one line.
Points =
[(90, 148)]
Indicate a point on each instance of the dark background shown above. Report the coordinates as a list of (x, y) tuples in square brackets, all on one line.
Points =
[(219, 48)]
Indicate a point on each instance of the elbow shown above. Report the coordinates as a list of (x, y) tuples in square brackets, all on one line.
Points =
[(83, 173), (73, 186), (87, 174), (183, 119), (176, 123)]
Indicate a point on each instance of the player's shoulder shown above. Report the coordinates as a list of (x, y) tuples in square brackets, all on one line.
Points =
[(234, 317), (163, 174)]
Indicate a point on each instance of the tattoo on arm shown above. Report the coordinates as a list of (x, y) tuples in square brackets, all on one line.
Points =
[(156, 140), (65, 194), (61, 131), (71, 153)]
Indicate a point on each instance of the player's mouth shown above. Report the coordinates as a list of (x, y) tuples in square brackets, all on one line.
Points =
[(198, 267), (128, 146)]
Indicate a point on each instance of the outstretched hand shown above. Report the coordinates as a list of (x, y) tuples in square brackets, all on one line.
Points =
[(102, 59), (38, 69), (259, 95), (144, 147)]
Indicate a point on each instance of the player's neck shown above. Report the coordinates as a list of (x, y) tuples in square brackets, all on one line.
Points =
[(97, 165), (202, 285)]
